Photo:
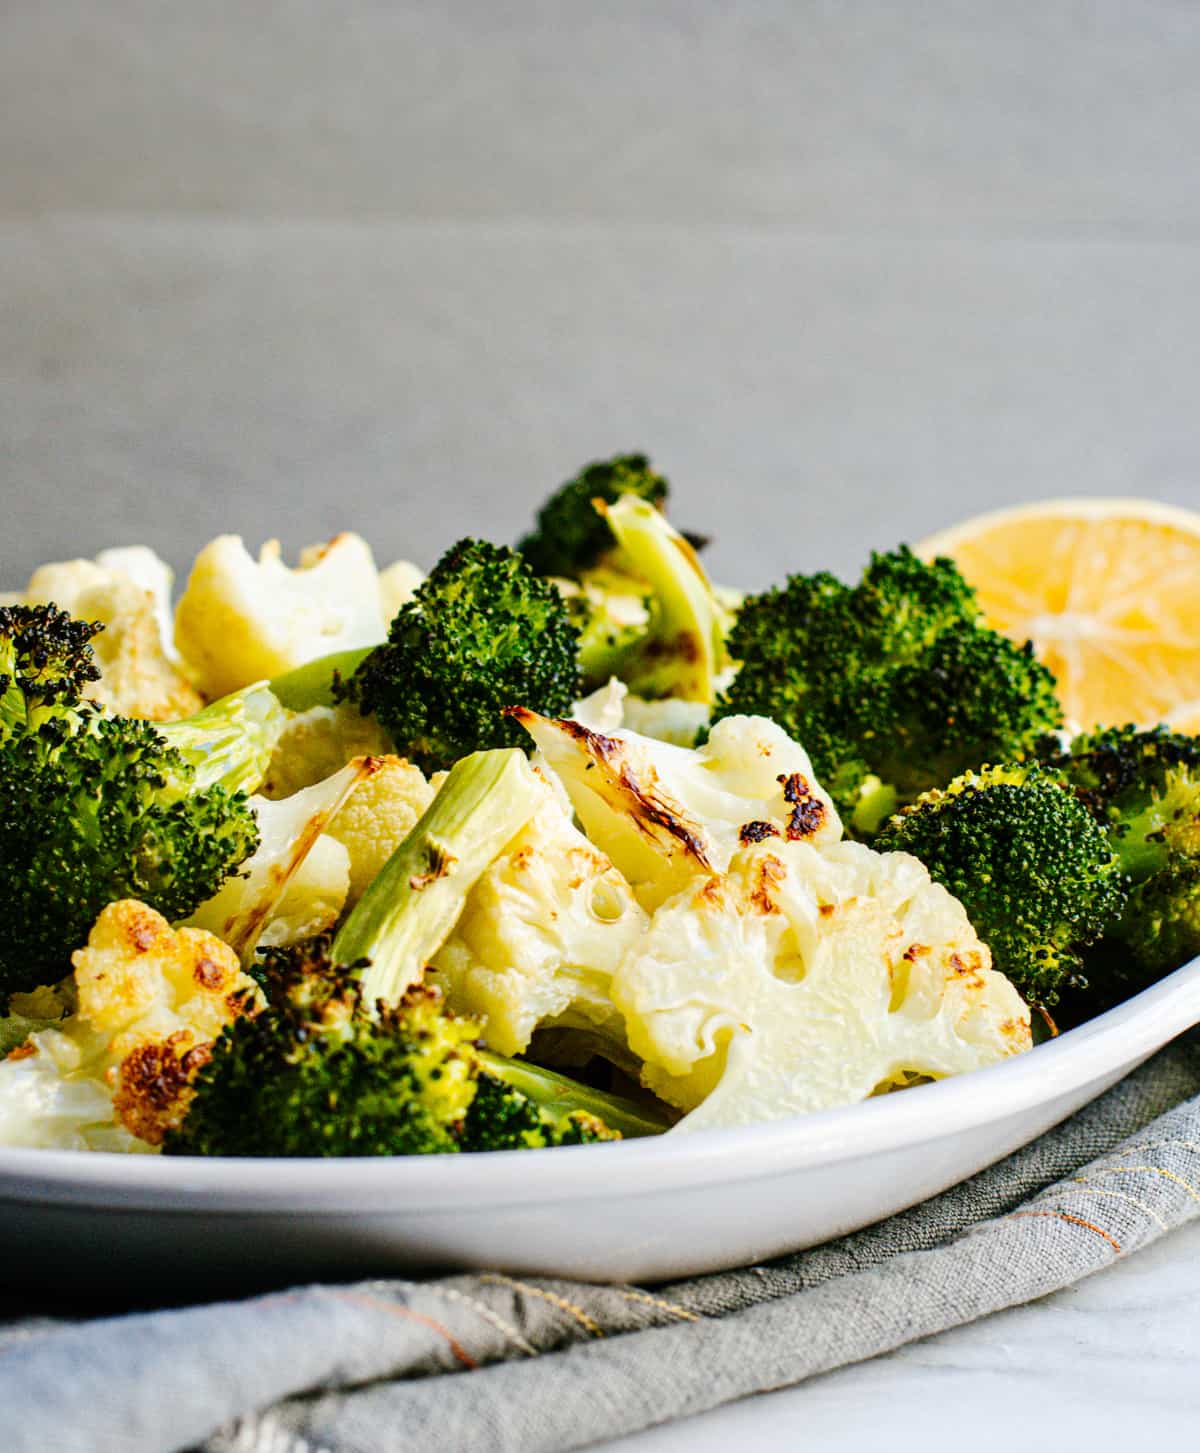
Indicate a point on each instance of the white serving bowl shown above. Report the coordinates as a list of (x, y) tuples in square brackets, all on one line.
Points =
[(631, 1211)]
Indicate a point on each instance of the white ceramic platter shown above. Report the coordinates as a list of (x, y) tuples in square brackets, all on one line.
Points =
[(631, 1211)]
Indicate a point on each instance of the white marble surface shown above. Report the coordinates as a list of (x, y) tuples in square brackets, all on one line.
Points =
[(1112, 1361)]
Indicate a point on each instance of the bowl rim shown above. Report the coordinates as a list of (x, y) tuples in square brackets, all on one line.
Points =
[(1113, 1041)]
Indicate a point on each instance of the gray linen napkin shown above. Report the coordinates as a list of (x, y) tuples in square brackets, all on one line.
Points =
[(533, 1365)]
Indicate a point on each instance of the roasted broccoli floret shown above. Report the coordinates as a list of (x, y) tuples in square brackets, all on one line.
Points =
[(316, 1074), (1144, 787), (483, 632), (893, 685), (571, 536), (1027, 860), (46, 661), (1159, 931), (96, 808)]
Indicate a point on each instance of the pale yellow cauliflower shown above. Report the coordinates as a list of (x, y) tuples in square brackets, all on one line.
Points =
[(315, 744), (397, 586), (377, 818), (808, 977), (116, 1074), (128, 592), (541, 935), (296, 882), (241, 620), (667, 815)]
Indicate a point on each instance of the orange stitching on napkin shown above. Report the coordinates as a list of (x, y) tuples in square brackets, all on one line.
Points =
[(1075, 1221), (377, 1304), (1152, 1170), (452, 1294), (589, 1323), (1119, 1196), (636, 1296), (481, 1309)]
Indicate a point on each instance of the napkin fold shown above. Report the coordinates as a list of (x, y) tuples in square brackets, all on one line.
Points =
[(537, 1365)]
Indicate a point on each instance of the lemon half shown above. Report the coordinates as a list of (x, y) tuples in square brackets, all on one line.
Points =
[(1108, 590)]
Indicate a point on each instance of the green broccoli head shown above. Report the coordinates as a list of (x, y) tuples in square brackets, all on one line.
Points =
[(1144, 786), (1160, 929), (1028, 862), (105, 813), (46, 662), (315, 1074), (571, 535), (973, 697), (894, 685), (94, 808), (482, 633), (502, 1118), (319, 1072)]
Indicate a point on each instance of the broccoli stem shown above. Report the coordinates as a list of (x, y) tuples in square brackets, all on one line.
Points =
[(229, 742), (562, 1097), (684, 648), (415, 900), (312, 684)]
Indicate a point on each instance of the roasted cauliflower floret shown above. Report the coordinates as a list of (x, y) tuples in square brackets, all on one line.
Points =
[(128, 592), (296, 883), (666, 815), (116, 1074), (378, 817), (397, 586), (159, 997), (541, 935), (669, 720), (242, 619), (316, 743), (809, 977)]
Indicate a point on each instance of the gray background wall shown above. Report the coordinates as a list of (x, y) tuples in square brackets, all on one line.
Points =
[(848, 270)]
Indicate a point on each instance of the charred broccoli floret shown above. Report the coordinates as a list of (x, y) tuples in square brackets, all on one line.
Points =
[(894, 685), (571, 536), (483, 632), (1144, 787), (96, 808), (46, 662), (1028, 862), (316, 1074)]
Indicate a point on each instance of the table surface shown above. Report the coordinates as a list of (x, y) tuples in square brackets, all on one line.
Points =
[(848, 277)]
